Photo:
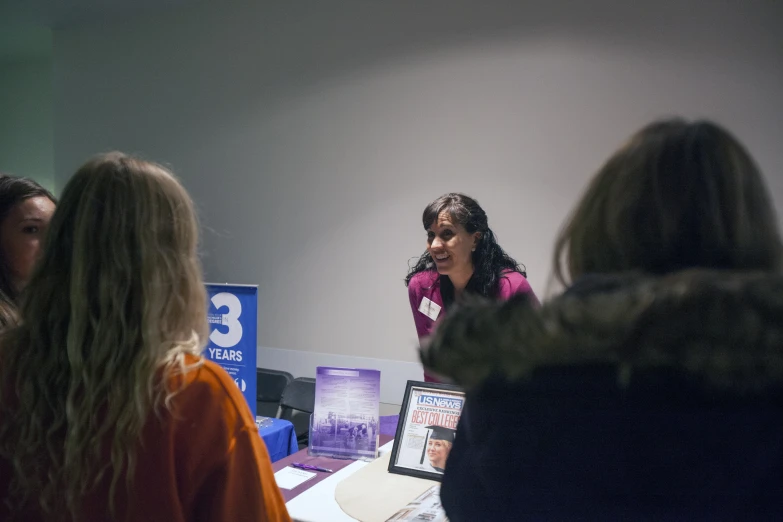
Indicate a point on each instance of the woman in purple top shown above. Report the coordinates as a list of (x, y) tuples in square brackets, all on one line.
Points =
[(462, 257)]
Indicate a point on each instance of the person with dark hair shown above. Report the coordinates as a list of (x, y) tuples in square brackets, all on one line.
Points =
[(462, 257), (25, 211), (652, 389)]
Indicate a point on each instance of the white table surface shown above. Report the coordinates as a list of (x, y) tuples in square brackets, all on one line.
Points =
[(317, 504)]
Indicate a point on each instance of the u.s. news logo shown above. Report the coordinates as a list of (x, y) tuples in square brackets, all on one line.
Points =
[(440, 402)]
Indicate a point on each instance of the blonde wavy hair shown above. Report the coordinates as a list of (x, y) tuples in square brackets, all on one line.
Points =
[(115, 304)]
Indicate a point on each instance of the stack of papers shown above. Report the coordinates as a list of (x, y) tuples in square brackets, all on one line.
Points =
[(289, 478)]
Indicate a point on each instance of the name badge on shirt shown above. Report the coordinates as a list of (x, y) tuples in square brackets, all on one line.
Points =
[(429, 308)]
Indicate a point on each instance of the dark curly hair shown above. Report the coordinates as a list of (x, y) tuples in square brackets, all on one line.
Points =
[(489, 260), (13, 190)]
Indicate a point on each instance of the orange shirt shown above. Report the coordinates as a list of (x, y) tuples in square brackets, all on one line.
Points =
[(203, 461)]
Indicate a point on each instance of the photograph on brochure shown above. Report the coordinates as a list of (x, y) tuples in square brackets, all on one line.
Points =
[(427, 429)]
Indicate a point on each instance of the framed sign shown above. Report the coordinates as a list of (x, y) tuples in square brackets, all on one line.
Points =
[(232, 314), (427, 429)]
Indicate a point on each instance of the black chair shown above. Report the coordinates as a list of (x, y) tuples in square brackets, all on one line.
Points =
[(270, 385), (297, 404)]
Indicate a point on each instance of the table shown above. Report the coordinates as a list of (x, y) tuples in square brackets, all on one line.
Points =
[(280, 439), (314, 500)]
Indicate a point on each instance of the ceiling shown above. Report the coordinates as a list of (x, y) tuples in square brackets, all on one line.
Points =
[(26, 25)]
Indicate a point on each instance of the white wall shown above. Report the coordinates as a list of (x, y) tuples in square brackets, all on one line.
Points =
[(312, 134), (26, 120)]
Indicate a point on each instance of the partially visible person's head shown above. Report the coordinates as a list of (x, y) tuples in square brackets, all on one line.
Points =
[(25, 211), (116, 303), (459, 239), (438, 452), (439, 445), (677, 195)]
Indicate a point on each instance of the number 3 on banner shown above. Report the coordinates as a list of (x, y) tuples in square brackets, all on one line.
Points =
[(231, 319)]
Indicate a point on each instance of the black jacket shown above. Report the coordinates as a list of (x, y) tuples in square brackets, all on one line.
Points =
[(627, 398)]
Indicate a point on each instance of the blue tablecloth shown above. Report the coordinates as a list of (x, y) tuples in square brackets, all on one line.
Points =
[(279, 438)]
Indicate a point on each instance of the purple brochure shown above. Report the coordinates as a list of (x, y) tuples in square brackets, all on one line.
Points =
[(345, 421)]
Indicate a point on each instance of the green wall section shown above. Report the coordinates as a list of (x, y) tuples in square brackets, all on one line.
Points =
[(27, 121)]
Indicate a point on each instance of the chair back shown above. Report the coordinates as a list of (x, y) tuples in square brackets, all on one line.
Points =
[(270, 385), (296, 405)]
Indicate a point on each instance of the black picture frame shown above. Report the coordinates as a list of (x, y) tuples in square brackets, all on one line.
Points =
[(451, 393)]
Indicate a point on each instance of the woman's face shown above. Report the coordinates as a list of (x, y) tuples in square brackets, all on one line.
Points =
[(21, 235), (438, 452), (450, 245)]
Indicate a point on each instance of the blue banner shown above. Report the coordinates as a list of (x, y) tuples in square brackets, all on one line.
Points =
[(233, 322)]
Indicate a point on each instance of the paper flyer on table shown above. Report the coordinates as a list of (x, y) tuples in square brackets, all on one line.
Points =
[(289, 478), (426, 508), (346, 416)]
